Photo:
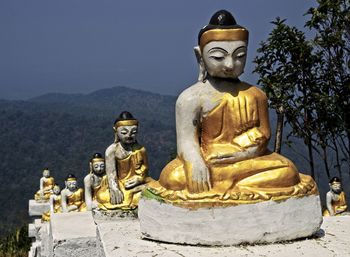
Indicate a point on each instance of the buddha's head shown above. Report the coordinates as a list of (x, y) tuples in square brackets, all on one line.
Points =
[(222, 47), (335, 185), (71, 182), (56, 189), (46, 173), (97, 164), (125, 128)]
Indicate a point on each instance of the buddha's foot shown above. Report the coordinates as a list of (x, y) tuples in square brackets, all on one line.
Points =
[(236, 195)]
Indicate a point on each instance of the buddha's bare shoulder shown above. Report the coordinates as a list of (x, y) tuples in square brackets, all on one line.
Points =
[(191, 95)]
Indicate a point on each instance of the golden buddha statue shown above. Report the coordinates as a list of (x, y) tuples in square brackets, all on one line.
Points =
[(223, 129), (96, 186), (126, 165), (55, 203), (46, 185), (72, 197), (335, 199)]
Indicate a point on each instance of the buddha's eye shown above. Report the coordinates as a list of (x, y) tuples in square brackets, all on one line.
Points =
[(217, 58), (241, 55)]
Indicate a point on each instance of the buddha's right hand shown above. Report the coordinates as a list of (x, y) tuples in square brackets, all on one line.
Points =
[(117, 196), (198, 177)]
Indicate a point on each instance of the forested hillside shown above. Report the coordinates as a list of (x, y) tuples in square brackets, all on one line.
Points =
[(63, 131)]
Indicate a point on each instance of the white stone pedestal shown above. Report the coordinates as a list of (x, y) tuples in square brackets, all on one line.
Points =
[(37, 209), (123, 239), (264, 222), (72, 234)]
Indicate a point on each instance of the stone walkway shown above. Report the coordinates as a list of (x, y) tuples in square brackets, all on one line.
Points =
[(122, 238)]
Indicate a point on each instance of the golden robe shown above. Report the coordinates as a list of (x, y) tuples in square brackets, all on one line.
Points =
[(339, 206), (48, 185), (239, 122), (76, 198), (133, 166), (56, 208)]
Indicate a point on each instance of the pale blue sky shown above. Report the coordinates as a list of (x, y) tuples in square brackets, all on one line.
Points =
[(78, 46)]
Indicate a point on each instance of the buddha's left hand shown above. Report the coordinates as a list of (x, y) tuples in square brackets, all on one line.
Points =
[(132, 182)]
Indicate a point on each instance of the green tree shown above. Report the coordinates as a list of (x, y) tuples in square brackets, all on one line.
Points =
[(285, 65), (331, 22)]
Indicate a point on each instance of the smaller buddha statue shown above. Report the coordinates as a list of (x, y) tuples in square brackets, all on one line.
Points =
[(46, 185), (96, 185), (72, 197), (55, 203), (126, 164), (335, 199)]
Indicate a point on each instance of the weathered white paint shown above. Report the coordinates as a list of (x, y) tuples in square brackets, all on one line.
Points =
[(263, 222)]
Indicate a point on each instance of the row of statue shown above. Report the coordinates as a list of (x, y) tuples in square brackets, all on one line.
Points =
[(114, 182), (223, 130)]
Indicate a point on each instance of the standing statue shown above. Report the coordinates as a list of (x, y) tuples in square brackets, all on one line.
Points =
[(126, 164), (335, 199), (46, 185), (222, 128), (96, 186), (55, 203), (72, 197)]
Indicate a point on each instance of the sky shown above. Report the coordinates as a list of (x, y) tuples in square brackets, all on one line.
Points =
[(79, 46)]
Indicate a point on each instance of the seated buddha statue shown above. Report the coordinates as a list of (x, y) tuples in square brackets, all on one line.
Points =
[(222, 128), (126, 164), (96, 185), (72, 197), (46, 185), (335, 199), (55, 203)]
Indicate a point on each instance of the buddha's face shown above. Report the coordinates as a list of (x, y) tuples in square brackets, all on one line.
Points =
[(225, 59), (127, 134), (336, 187), (72, 185), (56, 190), (98, 167), (46, 173)]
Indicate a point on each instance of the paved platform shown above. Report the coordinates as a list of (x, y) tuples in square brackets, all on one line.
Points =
[(72, 234), (123, 238)]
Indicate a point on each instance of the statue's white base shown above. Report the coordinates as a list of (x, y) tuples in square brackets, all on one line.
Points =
[(40, 232), (37, 209), (72, 234), (264, 222), (123, 239)]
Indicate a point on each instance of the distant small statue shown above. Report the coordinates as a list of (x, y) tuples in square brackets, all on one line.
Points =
[(72, 197), (46, 185), (126, 164), (55, 203), (96, 185), (335, 198)]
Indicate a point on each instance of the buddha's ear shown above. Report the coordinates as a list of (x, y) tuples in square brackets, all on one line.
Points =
[(202, 71), (90, 167)]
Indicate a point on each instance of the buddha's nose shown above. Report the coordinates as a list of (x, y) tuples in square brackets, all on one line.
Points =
[(229, 65)]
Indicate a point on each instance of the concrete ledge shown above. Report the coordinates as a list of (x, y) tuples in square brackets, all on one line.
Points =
[(37, 209), (264, 222), (72, 234), (123, 239)]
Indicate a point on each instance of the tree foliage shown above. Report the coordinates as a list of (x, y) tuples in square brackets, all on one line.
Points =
[(285, 65), (308, 81)]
